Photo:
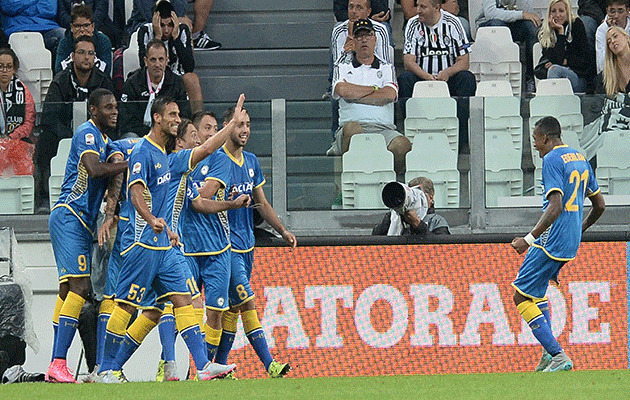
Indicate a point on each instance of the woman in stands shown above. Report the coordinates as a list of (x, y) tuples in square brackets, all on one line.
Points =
[(17, 117), (564, 46), (616, 74)]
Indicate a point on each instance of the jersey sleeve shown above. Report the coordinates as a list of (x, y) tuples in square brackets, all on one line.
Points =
[(219, 169), (180, 161), (410, 37), (139, 165), (259, 178), (112, 149), (191, 191), (592, 188), (553, 175), (86, 141)]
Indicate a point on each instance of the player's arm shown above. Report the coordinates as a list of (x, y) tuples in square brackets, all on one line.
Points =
[(269, 215), (210, 188), (97, 169), (136, 191), (206, 206), (215, 142), (548, 217), (113, 193), (596, 211)]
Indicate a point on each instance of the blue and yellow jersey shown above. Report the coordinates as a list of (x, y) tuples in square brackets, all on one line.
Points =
[(567, 171), (149, 166), (245, 176), (208, 234), (122, 147), (80, 193), (180, 165)]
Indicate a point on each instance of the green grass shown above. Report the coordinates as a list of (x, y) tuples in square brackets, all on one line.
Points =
[(521, 386)]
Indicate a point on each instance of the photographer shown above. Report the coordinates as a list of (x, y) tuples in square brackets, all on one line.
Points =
[(430, 224)]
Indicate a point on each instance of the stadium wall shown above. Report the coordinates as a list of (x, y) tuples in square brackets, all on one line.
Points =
[(429, 309)]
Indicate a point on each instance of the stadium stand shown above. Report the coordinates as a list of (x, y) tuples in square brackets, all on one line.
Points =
[(613, 164), (35, 62)]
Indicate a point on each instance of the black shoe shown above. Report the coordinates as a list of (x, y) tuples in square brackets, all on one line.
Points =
[(204, 42), (16, 374)]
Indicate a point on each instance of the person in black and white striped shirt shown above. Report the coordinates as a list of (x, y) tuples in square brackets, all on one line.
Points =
[(436, 48)]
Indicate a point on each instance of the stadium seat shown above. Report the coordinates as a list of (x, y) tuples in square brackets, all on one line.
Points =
[(504, 176), (494, 56), (361, 180), (433, 157), (613, 163), (536, 55), (57, 170), (35, 63), (431, 89), (131, 62), (79, 114), (427, 116), (554, 87), (17, 194), (502, 116), (494, 89)]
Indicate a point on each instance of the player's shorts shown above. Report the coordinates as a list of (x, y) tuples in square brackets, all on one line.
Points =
[(534, 275), (72, 244), (241, 272), (143, 269), (214, 275), (113, 267)]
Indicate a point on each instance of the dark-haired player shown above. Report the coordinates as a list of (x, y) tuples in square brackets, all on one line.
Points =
[(567, 178)]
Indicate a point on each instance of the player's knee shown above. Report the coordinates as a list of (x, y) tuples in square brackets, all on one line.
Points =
[(519, 298), (152, 315), (180, 300), (80, 286)]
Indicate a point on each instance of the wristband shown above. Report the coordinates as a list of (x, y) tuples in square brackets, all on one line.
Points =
[(529, 238)]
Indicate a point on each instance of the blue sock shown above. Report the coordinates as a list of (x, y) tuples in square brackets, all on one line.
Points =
[(101, 326), (259, 343), (111, 346), (168, 334), (125, 351), (225, 345), (65, 334), (544, 308), (542, 332), (194, 342)]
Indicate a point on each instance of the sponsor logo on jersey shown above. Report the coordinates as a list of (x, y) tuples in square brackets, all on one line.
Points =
[(164, 178), (220, 301), (204, 170), (251, 172), (89, 139), (246, 187), (136, 168), (439, 52), (158, 166)]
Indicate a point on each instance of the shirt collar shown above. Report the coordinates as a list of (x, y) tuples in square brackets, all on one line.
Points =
[(376, 64)]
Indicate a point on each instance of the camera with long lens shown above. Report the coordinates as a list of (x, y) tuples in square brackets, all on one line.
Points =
[(402, 198)]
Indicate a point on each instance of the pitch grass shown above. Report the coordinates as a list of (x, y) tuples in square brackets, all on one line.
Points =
[(573, 385)]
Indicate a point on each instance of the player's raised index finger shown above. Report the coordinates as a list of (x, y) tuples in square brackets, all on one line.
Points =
[(240, 102)]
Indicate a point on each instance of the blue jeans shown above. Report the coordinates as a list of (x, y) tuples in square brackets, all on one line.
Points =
[(52, 38), (577, 83), (522, 31)]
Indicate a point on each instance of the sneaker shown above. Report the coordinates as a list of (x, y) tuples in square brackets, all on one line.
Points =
[(559, 362), (530, 86), (16, 374), (170, 371), (159, 376), (58, 372), (334, 150), (203, 41), (278, 370), (108, 377), (230, 376), (545, 360), (327, 96), (214, 370), (92, 377), (121, 376)]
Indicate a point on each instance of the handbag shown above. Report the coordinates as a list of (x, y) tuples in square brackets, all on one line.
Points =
[(540, 71)]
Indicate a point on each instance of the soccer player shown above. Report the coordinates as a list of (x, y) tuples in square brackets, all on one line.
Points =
[(247, 178), (566, 177), (149, 260), (73, 221)]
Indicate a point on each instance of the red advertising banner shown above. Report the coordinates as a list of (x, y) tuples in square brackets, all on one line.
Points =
[(428, 309)]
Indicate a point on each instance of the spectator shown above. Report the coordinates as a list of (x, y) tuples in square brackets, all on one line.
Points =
[(564, 46), (431, 224), (452, 6), (137, 96), (616, 15), (206, 124), (341, 43), (592, 13), (83, 24), (73, 84), (17, 117), (143, 12), (436, 48), (102, 22), (617, 62), (519, 17), (177, 39), (379, 10), (32, 16), (367, 92)]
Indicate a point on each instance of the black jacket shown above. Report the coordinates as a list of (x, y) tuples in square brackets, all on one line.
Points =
[(577, 53), (135, 97)]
